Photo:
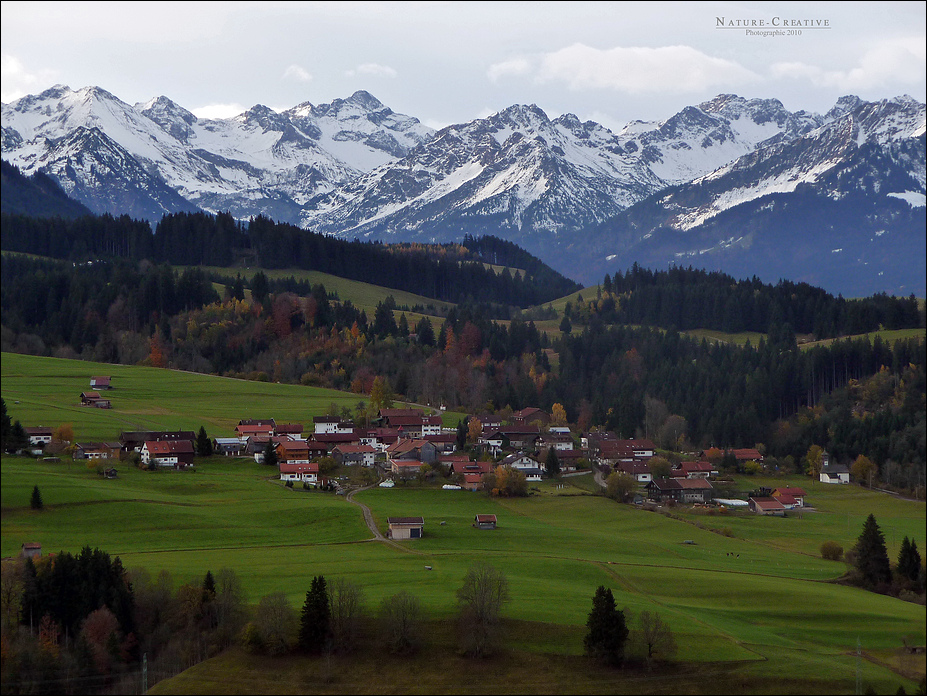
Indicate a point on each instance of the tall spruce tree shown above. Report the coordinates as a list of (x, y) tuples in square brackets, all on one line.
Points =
[(909, 560), (608, 631), (871, 555), (315, 622), (552, 465), (36, 502), (203, 443)]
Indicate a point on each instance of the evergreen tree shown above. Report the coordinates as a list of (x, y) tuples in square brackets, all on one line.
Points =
[(18, 439), (260, 287), (909, 560), (871, 556), (425, 332), (36, 502), (270, 453), (315, 623), (203, 443), (608, 631), (461, 434), (209, 587), (552, 465), (6, 425)]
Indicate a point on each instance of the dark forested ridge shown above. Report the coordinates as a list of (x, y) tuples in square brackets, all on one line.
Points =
[(687, 298), (451, 273), (37, 195)]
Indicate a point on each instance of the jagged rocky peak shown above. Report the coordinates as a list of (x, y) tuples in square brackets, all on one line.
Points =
[(843, 106), (365, 100), (265, 117), (165, 107), (172, 117), (361, 99)]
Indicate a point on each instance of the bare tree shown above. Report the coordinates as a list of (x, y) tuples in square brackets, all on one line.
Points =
[(400, 616), (11, 593), (484, 592), (229, 606), (346, 599), (655, 639), (277, 623)]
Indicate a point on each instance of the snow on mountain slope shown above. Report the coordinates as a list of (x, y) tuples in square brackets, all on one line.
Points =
[(561, 188), (259, 158)]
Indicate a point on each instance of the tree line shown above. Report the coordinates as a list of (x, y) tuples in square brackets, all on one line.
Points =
[(687, 298), (191, 239)]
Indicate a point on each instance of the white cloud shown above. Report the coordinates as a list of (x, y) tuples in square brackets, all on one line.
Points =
[(901, 62), (218, 111), (18, 82), (640, 69), (298, 73), (372, 69), (517, 67)]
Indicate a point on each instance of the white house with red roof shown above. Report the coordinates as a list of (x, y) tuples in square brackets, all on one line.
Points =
[(301, 472), (176, 453)]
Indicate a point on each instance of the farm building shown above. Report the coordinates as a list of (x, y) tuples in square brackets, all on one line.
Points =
[(93, 398), (31, 549), (100, 383), (766, 506), (39, 436), (798, 494), (484, 521), (405, 527)]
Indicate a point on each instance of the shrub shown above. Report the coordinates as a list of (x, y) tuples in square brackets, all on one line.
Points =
[(832, 551)]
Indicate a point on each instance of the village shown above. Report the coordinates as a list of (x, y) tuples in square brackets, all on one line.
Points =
[(402, 444)]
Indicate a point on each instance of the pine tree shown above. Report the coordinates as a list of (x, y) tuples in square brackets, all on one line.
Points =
[(36, 502), (315, 622), (608, 631), (552, 465), (270, 454), (209, 587), (203, 443), (871, 555), (909, 559)]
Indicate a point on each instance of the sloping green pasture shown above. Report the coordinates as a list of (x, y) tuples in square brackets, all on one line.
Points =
[(46, 391), (726, 599), (761, 603)]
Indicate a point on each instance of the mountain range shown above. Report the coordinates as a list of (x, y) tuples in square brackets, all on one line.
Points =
[(739, 185)]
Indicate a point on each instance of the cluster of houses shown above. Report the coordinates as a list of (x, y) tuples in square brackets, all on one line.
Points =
[(404, 440)]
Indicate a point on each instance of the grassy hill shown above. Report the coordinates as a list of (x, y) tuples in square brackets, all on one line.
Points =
[(753, 605)]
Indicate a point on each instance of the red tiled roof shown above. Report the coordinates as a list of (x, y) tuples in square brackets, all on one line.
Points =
[(405, 520), (768, 503), (159, 447), (793, 491), (304, 468), (485, 518)]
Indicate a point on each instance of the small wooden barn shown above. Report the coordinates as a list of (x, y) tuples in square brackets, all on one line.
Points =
[(484, 521), (405, 527)]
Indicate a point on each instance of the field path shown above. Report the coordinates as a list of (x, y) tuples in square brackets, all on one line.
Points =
[(371, 524)]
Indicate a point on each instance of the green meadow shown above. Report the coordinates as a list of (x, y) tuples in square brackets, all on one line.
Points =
[(753, 606)]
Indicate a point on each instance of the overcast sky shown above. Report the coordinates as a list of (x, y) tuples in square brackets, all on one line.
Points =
[(451, 62)]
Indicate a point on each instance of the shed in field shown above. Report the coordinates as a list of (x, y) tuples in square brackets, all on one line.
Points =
[(405, 527), (484, 521)]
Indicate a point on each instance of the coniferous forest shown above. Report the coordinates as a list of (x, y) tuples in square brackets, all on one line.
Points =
[(106, 289)]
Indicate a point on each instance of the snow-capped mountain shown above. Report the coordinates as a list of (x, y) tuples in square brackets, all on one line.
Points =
[(841, 206), (520, 172), (257, 162), (712, 183)]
